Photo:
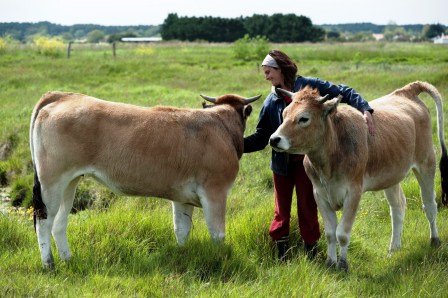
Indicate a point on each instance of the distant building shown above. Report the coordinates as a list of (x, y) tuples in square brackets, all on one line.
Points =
[(441, 39), (141, 39), (378, 37)]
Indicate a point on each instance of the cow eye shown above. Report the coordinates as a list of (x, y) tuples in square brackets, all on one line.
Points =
[(303, 120)]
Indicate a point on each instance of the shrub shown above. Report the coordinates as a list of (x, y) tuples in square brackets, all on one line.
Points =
[(53, 47), (83, 199), (248, 49), (3, 178), (261, 47), (7, 147), (145, 51), (21, 192), (2, 45), (89, 195)]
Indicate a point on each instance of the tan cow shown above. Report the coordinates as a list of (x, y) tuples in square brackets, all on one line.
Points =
[(189, 156), (343, 160)]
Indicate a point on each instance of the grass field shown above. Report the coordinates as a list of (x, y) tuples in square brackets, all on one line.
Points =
[(126, 247)]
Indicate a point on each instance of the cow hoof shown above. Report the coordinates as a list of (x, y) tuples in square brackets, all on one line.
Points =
[(330, 263), (48, 263), (435, 242), (49, 267), (343, 265)]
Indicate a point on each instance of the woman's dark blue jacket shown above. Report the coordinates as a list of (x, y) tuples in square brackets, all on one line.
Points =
[(271, 117)]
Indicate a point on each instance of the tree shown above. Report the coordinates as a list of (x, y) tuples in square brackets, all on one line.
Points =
[(169, 27), (95, 36), (278, 28), (433, 30), (257, 25), (67, 36), (393, 32), (333, 35), (118, 36)]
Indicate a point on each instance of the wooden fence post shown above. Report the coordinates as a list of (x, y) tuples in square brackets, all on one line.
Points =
[(114, 49), (69, 48)]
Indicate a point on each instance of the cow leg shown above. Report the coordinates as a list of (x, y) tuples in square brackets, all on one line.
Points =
[(51, 196), (59, 230), (397, 205), (425, 178), (330, 224), (214, 207), (43, 230), (344, 229), (182, 218)]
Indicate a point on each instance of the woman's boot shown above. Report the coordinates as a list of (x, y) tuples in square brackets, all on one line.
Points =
[(282, 247)]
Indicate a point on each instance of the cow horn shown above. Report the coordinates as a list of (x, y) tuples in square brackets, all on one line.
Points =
[(208, 98), (251, 99), (284, 92), (323, 99)]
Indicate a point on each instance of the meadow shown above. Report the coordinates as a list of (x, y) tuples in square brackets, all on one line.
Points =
[(125, 246)]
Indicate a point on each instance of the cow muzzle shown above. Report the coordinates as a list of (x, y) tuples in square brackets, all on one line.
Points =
[(278, 143)]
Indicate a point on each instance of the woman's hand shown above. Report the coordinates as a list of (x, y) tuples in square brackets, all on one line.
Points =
[(369, 120)]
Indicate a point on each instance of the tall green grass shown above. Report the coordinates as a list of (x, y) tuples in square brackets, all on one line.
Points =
[(126, 247)]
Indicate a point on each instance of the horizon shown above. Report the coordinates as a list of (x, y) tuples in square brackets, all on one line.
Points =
[(153, 13), (136, 25)]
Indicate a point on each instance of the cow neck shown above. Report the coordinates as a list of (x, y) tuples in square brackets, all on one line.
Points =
[(319, 157), (228, 121)]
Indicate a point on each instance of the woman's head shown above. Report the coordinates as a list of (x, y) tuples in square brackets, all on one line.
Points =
[(280, 70)]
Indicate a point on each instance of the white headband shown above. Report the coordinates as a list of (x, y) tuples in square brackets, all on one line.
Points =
[(269, 61)]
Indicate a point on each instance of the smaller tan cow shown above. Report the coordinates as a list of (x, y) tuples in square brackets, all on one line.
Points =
[(343, 160), (189, 156)]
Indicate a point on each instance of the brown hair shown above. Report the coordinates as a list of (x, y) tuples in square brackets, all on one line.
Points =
[(287, 66)]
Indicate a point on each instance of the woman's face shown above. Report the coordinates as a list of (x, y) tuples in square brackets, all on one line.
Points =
[(274, 75)]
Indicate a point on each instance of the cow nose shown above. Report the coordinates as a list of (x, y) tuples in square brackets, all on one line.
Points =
[(273, 141)]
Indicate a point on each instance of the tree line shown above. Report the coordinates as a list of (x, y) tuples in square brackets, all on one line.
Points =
[(23, 31), (276, 28)]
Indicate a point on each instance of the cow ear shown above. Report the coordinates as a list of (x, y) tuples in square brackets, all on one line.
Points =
[(247, 111), (330, 106), (284, 92)]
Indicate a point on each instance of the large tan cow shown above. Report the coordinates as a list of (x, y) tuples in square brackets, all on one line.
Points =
[(343, 160), (189, 156)]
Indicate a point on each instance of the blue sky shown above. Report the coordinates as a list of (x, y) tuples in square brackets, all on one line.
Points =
[(149, 12)]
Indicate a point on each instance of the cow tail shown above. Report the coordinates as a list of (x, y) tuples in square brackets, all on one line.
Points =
[(443, 165), (444, 174), (37, 202)]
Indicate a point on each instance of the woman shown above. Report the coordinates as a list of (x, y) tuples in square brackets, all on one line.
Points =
[(288, 170)]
